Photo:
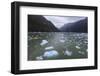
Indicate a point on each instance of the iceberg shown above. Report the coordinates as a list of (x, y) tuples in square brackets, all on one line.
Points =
[(50, 47), (77, 47), (62, 41), (43, 42), (39, 58), (52, 53), (81, 52), (68, 53)]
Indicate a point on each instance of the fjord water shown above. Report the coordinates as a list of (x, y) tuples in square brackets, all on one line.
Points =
[(57, 45)]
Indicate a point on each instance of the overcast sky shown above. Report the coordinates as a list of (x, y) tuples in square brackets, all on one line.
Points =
[(59, 21)]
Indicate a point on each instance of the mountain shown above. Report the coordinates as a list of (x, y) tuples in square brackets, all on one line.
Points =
[(37, 23), (79, 26)]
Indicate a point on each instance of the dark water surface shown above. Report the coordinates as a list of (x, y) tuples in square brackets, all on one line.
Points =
[(57, 45)]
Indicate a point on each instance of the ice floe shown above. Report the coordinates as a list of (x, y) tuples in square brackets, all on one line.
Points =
[(39, 58), (43, 42), (52, 53), (68, 53), (62, 41), (81, 52), (48, 48), (77, 47)]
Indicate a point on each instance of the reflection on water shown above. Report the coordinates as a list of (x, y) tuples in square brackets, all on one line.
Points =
[(57, 45)]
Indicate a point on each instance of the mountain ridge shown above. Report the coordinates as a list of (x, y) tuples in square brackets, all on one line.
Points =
[(78, 26), (37, 23)]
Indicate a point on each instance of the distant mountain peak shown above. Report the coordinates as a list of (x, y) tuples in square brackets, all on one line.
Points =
[(78, 26)]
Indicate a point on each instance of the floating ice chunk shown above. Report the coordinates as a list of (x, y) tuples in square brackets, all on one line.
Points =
[(62, 41), (68, 53), (52, 53), (77, 47), (43, 42), (81, 52), (50, 47), (39, 58)]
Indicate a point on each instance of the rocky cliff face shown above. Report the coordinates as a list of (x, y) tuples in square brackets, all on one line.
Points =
[(79, 26), (37, 23)]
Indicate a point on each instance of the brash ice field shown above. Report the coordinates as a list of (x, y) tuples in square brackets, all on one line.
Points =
[(57, 37)]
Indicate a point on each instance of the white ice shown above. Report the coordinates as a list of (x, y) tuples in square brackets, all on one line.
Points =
[(62, 41), (50, 47), (77, 47), (81, 52), (43, 42), (39, 58), (51, 53), (68, 53)]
